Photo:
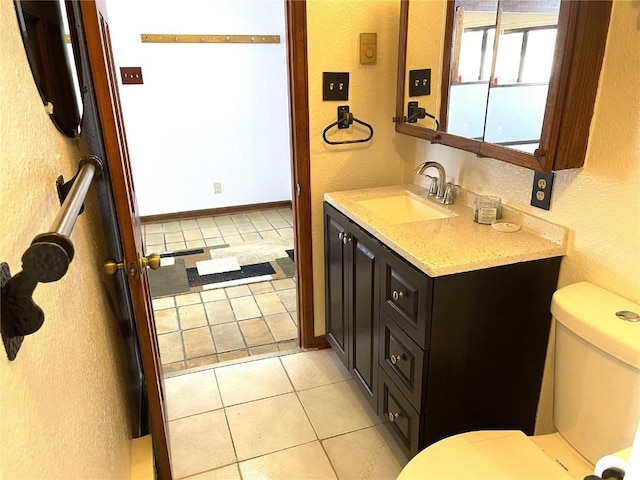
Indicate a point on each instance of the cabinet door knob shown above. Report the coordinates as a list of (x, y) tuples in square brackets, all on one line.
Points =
[(341, 236), (397, 294), (396, 358), (346, 239), (392, 416)]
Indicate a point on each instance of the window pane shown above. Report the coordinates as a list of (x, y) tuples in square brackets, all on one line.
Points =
[(470, 50), (508, 59), (539, 55), (488, 55)]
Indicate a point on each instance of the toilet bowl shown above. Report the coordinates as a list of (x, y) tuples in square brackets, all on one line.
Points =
[(596, 379)]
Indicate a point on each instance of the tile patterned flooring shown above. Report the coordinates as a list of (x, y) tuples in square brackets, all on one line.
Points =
[(294, 416), (231, 323)]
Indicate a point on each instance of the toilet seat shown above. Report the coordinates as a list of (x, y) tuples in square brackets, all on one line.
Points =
[(496, 454)]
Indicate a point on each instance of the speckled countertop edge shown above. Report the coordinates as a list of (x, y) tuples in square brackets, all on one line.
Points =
[(455, 244)]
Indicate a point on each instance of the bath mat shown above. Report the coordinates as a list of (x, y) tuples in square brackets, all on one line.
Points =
[(269, 259), (256, 270), (169, 280), (287, 265)]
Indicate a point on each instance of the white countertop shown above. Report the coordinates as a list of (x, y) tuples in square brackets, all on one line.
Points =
[(455, 244)]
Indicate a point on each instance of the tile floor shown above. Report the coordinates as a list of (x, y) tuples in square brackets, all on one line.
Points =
[(294, 416), (230, 323), (218, 230), (225, 324)]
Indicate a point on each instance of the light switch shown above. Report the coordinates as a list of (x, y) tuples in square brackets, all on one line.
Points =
[(131, 75), (335, 86), (368, 48)]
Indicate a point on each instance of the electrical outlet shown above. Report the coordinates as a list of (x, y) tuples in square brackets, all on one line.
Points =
[(541, 193), (217, 188)]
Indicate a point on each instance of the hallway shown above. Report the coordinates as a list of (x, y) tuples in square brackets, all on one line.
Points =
[(238, 314)]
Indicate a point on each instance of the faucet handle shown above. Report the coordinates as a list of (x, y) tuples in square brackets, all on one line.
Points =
[(451, 192), (433, 184)]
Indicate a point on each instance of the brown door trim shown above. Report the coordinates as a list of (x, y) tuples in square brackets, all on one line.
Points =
[(296, 12)]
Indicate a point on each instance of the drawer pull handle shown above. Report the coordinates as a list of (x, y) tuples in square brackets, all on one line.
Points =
[(397, 294), (396, 358), (393, 416)]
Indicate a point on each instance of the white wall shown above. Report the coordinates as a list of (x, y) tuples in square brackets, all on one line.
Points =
[(206, 112), (63, 401), (599, 203)]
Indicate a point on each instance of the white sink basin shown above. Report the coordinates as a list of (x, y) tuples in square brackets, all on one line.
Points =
[(404, 208)]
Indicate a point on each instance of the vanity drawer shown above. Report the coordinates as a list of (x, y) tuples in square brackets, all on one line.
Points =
[(398, 415), (402, 360), (406, 296)]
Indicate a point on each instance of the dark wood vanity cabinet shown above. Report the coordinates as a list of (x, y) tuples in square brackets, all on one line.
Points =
[(454, 353), (351, 277)]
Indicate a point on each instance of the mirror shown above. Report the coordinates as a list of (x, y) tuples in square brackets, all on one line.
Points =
[(45, 29), (524, 95), (498, 84)]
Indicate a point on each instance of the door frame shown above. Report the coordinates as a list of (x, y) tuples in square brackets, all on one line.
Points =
[(298, 73)]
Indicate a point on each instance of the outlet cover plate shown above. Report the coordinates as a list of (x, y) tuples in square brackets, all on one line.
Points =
[(419, 82), (541, 192), (335, 86)]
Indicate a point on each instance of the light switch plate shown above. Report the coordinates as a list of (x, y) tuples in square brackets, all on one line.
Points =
[(131, 75), (335, 86), (419, 82)]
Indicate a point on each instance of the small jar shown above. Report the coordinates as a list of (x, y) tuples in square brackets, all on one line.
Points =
[(487, 209)]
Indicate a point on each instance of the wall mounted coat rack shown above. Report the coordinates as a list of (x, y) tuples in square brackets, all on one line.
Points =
[(46, 260), (346, 119), (194, 38)]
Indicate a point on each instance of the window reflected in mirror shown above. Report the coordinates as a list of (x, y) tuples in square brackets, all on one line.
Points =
[(498, 85)]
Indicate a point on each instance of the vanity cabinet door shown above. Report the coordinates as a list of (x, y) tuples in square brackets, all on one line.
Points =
[(338, 333), (363, 310), (352, 301)]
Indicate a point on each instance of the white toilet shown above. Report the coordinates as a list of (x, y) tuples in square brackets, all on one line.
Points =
[(596, 406)]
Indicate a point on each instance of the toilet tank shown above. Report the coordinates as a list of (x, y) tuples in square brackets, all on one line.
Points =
[(596, 405)]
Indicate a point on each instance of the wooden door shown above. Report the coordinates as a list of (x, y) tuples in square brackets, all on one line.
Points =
[(104, 79)]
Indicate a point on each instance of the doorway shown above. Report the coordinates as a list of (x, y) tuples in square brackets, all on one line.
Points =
[(172, 314)]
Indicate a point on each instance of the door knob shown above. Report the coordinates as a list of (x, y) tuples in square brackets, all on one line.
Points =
[(152, 261)]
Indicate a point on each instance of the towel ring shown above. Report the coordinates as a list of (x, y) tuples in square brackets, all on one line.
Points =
[(346, 118)]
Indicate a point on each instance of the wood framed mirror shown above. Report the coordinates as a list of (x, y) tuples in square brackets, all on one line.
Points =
[(49, 43), (512, 80)]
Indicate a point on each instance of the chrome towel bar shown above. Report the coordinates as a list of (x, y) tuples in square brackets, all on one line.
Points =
[(46, 260)]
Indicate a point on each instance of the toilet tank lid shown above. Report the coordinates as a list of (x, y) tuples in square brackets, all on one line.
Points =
[(590, 312)]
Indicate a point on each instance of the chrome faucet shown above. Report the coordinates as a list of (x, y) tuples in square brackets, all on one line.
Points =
[(444, 191)]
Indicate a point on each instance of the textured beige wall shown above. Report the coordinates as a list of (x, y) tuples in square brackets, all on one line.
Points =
[(599, 203), (334, 27), (63, 412)]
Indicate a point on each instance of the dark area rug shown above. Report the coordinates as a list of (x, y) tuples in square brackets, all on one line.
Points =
[(247, 271), (183, 276), (169, 280)]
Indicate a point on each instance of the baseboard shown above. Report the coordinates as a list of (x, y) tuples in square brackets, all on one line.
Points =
[(210, 212), (320, 342)]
